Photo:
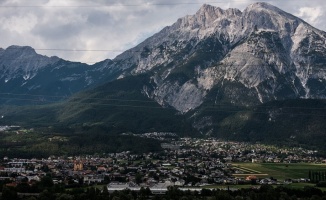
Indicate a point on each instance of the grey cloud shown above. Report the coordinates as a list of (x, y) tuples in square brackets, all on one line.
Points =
[(58, 32), (115, 24), (100, 19)]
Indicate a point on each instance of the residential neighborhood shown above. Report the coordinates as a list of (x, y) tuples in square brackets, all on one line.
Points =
[(187, 163)]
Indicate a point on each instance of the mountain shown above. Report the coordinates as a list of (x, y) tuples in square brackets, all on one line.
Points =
[(227, 60), (29, 78), (255, 56), (234, 74)]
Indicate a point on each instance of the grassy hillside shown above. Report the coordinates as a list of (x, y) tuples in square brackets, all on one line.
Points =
[(115, 107), (29, 116), (122, 106)]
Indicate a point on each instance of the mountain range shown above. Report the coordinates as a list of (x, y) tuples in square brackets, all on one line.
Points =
[(253, 74), (42, 78)]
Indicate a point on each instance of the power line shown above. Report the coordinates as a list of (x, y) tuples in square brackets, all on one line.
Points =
[(225, 54), (119, 4), (132, 50), (131, 5), (72, 99), (83, 50), (116, 62), (214, 109), (255, 52)]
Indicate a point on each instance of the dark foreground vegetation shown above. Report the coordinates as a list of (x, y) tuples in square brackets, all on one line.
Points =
[(46, 190)]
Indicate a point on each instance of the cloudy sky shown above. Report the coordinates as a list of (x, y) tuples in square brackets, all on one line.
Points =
[(93, 30)]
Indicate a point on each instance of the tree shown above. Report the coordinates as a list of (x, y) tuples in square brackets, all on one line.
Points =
[(46, 181), (105, 194), (46, 195), (65, 197), (9, 193), (31, 198), (23, 187), (138, 178), (223, 195), (284, 196), (105, 190), (173, 192), (206, 192)]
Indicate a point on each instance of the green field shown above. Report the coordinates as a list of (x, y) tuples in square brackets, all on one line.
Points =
[(279, 171)]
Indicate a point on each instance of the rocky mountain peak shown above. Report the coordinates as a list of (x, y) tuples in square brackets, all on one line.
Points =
[(22, 61), (209, 10), (259, 48), (17, 55), (267, 16), (205, 8), (262, 5), (207, 15), (21, 51), (215, 12)]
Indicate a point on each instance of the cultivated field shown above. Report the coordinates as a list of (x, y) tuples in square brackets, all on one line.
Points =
[(279, 171)]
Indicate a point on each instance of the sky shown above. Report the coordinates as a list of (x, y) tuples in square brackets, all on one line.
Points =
[(90, 31)]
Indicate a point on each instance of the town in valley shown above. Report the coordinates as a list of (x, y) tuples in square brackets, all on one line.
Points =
[(187, 163)]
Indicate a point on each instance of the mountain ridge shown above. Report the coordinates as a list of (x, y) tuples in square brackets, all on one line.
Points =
[(43, 79), (289, 59), (214, 57)]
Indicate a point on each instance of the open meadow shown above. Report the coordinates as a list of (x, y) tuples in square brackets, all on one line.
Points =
[(280, 171)]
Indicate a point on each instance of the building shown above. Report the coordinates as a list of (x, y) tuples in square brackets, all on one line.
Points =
[(78, 165)]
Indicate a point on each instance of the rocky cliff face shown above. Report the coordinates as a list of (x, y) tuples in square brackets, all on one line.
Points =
[(264, 51)]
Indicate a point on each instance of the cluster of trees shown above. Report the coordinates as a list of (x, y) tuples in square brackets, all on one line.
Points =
[(317, 176), (45, 185), (266, 192), (23, 187)]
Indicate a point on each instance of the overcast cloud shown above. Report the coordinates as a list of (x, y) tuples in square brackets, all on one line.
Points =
[(112, 25)]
